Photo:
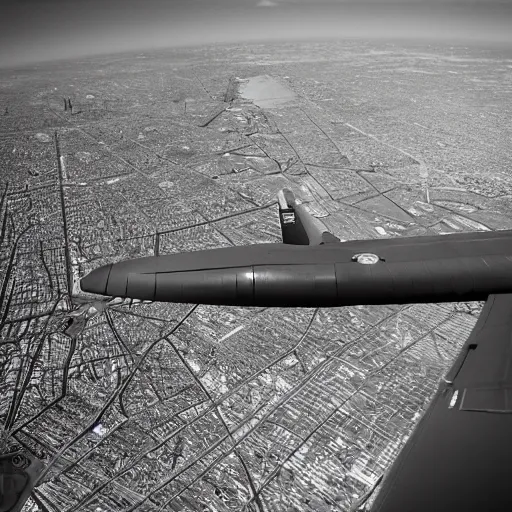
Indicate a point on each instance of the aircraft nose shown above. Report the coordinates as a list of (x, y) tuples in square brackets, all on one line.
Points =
[(97, 280)]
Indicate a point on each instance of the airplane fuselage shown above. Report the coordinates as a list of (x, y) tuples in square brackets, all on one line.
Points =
[(441, 268)]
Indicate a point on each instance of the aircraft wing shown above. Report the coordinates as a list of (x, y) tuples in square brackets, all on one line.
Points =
[(298, 226), (459, 457)]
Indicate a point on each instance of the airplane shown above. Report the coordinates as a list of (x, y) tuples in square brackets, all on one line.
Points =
[(459, 455)]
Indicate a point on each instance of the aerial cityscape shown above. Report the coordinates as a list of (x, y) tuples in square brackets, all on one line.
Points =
[(131, 405)]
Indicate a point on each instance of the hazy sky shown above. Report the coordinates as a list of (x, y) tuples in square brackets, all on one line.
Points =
[(38, 30)]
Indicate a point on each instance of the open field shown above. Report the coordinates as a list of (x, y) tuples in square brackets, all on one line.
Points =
[(198, 408)]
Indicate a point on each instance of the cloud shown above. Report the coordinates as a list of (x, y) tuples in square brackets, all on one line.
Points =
[(266, 3)]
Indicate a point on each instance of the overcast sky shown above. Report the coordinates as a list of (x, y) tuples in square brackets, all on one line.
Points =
[(39, 30)]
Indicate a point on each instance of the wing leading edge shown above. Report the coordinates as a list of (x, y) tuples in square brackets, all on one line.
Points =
[(460, 454)]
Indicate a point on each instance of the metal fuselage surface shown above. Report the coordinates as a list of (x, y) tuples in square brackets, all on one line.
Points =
[(442, 268)]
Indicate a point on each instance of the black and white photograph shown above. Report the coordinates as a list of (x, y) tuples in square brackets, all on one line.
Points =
[(255, 255)]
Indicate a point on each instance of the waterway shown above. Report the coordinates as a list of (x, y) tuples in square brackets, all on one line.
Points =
[(266, 91)]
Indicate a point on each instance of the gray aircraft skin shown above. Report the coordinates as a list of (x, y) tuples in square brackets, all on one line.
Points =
[(458, 457)]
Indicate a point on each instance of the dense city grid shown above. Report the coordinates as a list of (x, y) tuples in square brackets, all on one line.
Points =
[(137, 406)]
